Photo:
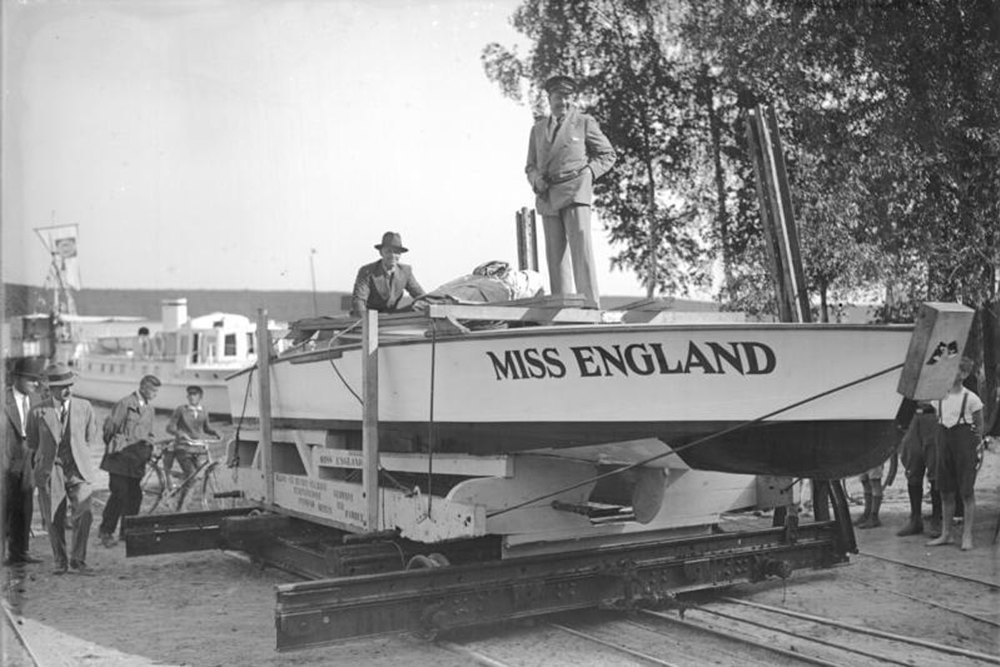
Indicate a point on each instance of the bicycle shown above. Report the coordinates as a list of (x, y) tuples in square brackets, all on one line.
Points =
[(201, 490)]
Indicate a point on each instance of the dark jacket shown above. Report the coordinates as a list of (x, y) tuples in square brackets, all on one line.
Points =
[(372, 289), (16, 458), (128, 435)]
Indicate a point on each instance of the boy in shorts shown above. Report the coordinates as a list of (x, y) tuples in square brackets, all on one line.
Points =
[(960, 432)]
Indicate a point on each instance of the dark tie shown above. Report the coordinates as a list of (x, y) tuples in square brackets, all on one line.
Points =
[(63, 413), (555, 128)]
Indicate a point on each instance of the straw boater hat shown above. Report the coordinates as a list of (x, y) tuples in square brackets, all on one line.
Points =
[(392, 240), (59, 375)]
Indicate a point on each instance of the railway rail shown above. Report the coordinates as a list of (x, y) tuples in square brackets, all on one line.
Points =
[(723, 631)]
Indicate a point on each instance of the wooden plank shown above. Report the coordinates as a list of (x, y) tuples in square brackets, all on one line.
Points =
[(369, 429), (510, 313), (264, 408), (659, 304), (936, 347), (465, 465)]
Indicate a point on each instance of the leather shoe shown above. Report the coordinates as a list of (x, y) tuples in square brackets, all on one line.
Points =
[(82, 569), (108, 541), (60, 569)]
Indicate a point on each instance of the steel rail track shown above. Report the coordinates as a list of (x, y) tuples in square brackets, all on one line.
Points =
[(815, 640), (929, 603), (613, 645), (982, 582), (707, 629), (915, 641), (479, 658)]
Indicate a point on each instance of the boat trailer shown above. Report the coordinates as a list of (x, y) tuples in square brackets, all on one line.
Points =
[(367, 585)]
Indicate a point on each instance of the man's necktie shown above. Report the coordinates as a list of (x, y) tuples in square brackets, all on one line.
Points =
[(555, 128)]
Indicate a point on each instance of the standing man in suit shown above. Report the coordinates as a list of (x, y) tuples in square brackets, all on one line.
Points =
[(567, 152), (61, 432), (380, 285), (128, 445), (19, 479)]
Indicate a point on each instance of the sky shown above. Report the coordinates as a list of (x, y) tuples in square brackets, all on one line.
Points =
[(252, 144)]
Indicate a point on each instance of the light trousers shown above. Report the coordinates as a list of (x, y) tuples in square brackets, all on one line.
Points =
[(569, 253), (77, 499)]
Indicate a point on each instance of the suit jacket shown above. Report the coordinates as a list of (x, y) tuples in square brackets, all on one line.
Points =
[(557, 166), (16, 457), (45, 432), (372, 289)]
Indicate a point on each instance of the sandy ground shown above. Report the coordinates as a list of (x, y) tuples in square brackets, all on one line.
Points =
[(213, 608)]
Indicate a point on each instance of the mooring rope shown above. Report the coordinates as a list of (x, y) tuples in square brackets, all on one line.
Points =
[(694, 443)]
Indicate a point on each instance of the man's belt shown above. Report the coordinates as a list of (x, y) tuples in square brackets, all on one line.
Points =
[(565, 179)]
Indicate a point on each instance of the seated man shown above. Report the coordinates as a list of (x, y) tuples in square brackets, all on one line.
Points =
[(189, 425), (380, 285)]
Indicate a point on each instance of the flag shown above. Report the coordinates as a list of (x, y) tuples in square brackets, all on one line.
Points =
[(60, 241)]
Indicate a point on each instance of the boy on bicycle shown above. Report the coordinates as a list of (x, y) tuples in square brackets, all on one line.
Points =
[(189, 426)]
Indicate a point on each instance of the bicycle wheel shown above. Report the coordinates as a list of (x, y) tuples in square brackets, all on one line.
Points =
[(198, 491), (154, 491), (210, 486)]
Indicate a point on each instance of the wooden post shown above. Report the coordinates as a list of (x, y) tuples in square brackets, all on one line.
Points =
[(264, 405), (369, 424)]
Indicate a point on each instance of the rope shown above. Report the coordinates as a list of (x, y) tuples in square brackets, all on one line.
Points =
[(344, 381), (239, 422), (695, 443)]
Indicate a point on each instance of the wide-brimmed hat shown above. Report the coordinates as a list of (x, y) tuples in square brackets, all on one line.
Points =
[(59, 375), (29, 367), (561, 83), (392, 240)]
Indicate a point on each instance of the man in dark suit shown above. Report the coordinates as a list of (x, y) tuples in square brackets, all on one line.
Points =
[(19, 480), (61, 431), (567, 152), (380, 285)]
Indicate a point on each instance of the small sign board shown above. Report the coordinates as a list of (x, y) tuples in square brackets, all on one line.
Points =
[(939, 336)]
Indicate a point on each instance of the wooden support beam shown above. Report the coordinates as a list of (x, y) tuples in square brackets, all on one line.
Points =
[(509, 313), (264, 398), (369, 427)]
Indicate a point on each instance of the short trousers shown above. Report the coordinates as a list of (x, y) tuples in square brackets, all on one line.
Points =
[(956, 469), (918, 452), (873, 473)]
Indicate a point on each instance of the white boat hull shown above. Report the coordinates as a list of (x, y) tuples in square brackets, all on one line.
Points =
[(522, 389), (108, 379)]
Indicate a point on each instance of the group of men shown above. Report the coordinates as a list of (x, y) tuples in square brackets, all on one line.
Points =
[(49, 435), (567, 152)]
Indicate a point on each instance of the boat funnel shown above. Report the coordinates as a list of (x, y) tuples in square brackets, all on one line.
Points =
[(174, 313)]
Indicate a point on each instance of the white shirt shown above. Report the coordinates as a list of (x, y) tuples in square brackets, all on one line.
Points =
[(23, 404), (950, 406)]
